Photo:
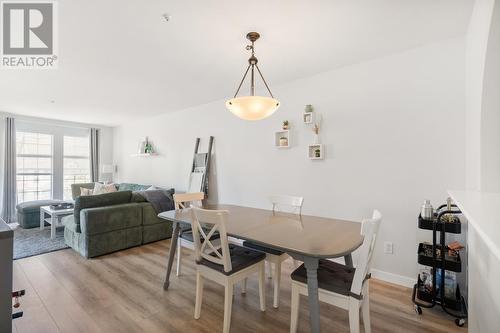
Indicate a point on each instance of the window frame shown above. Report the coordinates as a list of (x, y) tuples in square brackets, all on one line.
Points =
[(58, 132), (51, 156)]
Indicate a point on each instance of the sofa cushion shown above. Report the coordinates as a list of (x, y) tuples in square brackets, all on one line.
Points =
[(96, 245), (156, 232), (132, 187), (98, 220), (149, 215), (137, 197), (100, 200)]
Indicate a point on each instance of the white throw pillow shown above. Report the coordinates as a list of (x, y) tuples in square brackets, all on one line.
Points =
[(86, 191), (100, 188)]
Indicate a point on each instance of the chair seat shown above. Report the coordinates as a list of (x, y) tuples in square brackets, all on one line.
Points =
[(188, 235), (331, 276), (240, 258), (262, 248)]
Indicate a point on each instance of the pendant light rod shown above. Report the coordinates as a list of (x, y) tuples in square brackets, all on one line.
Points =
[(252, 61), (264, 80), (252, 64), (242, 80), (252, 82)]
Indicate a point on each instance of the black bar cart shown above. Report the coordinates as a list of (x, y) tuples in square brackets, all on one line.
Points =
[(437, 256)]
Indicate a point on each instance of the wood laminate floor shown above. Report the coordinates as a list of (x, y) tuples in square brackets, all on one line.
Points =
[(122, 292)]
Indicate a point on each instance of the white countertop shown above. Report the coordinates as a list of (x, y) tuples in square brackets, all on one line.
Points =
[(482, 210)]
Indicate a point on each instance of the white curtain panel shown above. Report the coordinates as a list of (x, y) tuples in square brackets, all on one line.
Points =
[(94, 154), (9, 192)]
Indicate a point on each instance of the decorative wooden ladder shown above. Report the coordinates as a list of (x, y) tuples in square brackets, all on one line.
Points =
[(198, 178)]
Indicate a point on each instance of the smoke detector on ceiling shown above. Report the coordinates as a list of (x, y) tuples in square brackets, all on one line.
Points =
[(167, 17)]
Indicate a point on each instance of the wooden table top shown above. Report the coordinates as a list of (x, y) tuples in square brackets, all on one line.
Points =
[(306, 235)]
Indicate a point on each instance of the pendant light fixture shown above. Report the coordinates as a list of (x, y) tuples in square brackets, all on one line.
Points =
[(252, 107)]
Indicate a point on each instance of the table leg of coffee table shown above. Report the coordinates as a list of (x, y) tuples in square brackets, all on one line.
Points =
[(53, 226), (42, 219)]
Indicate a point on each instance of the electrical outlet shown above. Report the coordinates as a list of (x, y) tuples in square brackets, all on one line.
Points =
[(388, 248)]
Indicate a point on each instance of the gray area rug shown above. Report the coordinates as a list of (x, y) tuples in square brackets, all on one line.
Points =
[(31, 242)]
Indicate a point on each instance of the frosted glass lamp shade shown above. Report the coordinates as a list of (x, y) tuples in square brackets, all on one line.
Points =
[(252, 107)]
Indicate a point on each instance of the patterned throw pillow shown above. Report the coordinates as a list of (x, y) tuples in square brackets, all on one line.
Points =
[(86, 191), (104, 188)]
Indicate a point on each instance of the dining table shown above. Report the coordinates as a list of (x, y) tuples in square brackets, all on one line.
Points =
[(303, 237)]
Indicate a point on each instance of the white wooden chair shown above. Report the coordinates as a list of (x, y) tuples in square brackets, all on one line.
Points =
[(181, 201), (226, 265), (275, 258), (339, 285)]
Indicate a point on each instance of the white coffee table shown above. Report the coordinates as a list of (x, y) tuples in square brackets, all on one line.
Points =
[(54, 218)]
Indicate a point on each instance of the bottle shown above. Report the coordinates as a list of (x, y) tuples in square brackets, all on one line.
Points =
[(450, 218), (427, 211)]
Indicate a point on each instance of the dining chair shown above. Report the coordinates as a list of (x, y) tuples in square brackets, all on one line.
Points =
[(340, 285), (226, 265), (283, 203), (181, 201)]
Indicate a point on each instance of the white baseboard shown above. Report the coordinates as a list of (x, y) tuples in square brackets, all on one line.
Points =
[(393, 278)]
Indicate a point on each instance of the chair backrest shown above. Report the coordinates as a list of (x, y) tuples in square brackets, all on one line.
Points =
[(369, 230), (293, 204), (185, 200), (211, 220)]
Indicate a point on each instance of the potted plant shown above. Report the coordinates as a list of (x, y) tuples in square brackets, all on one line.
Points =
[(148, 147), (283, 141), (285, 124), (317, 152)]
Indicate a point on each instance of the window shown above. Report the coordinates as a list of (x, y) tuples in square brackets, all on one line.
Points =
[(76, 162), (50, 157), (34, 166)]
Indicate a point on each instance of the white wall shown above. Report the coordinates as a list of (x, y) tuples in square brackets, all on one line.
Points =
[(476, 48), (394, 134), (490, 109)]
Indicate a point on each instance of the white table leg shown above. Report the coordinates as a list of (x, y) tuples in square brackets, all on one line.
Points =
[(42, 219), (53, 226)]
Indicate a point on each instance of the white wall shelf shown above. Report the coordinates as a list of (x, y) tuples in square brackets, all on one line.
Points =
[(144, 155), (308, 118), (278, 135), (311, 151)]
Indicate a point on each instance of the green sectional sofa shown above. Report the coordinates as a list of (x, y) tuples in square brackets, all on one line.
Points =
[(110, 222)]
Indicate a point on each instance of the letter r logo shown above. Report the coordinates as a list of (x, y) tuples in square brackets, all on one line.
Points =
[(27, 28)]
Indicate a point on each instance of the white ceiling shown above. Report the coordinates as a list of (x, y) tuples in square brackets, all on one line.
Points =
[(119, 59)]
